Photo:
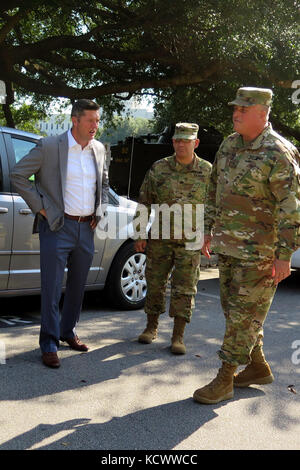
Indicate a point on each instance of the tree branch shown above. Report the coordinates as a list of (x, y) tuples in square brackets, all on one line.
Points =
[(132, 86), (11, 23)]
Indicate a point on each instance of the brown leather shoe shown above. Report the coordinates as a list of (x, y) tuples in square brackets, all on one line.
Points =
[(75, 343), (50, 359)]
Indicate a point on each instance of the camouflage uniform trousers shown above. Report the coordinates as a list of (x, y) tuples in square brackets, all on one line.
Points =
[(247, 290), (162, 257)]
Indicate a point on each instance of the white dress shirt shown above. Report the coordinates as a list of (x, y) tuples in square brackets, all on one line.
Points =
[(81, 179)]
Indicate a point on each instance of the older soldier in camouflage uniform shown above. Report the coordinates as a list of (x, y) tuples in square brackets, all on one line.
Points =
[(179, 181), (253, 213)]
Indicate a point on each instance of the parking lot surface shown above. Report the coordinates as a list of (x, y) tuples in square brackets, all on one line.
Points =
[(123, 395)]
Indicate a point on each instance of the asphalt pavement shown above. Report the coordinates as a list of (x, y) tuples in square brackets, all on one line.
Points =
[(123, 395)]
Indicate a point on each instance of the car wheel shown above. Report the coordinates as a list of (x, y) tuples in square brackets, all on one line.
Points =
[(126, 284)]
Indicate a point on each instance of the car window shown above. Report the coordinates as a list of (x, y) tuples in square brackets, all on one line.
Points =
[(113, 198), (21, 148)]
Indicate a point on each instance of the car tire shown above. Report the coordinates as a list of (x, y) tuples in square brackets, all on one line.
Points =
[(126, 285)]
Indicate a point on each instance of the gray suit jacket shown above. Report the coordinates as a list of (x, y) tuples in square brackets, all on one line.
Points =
[(48, 162)]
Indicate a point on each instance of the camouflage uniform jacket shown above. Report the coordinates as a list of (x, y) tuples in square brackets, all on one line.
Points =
[(253, 207), (169, 183)]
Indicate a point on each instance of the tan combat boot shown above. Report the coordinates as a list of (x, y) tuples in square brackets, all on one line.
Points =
[(178, 346), (257, 372), (221, 388), (150, 332)]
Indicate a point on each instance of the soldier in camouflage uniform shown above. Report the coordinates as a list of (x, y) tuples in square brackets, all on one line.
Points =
[(253, 213), (179, 183)]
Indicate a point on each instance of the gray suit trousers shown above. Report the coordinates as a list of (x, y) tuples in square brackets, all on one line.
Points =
[(72, 246)]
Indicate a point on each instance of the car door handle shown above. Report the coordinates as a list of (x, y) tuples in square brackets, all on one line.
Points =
[(25, 211), (3, 210)]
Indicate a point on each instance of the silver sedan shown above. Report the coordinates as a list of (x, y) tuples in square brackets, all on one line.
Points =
[(116, 266)]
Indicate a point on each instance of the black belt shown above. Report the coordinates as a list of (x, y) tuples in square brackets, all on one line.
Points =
[(79, 218)]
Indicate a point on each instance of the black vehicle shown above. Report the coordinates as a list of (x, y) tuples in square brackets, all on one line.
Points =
[(131, 159)]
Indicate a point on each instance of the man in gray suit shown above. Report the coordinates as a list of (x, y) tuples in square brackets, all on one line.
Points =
[(71, 184)]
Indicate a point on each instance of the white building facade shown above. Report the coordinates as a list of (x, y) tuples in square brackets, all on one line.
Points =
[(56, 124)]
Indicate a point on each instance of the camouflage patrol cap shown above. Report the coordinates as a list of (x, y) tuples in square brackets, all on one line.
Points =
[(186, 130), (249, 96)]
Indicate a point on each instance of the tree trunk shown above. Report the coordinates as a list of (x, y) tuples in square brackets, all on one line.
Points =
[(8, 115), (6, 107)]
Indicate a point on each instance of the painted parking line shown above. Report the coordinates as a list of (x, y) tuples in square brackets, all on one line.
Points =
[(209, 295), (14, 321)]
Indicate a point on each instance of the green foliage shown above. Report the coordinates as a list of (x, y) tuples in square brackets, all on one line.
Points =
[(192, 54), (125, 127), (209, 108), (25, 117)]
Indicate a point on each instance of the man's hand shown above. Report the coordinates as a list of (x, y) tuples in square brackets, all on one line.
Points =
[(93, 223), (205, 250), (43, 212), (281, 270), (140, 245)]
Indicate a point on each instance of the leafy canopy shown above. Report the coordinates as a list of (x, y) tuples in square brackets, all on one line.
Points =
[(111, 50)]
